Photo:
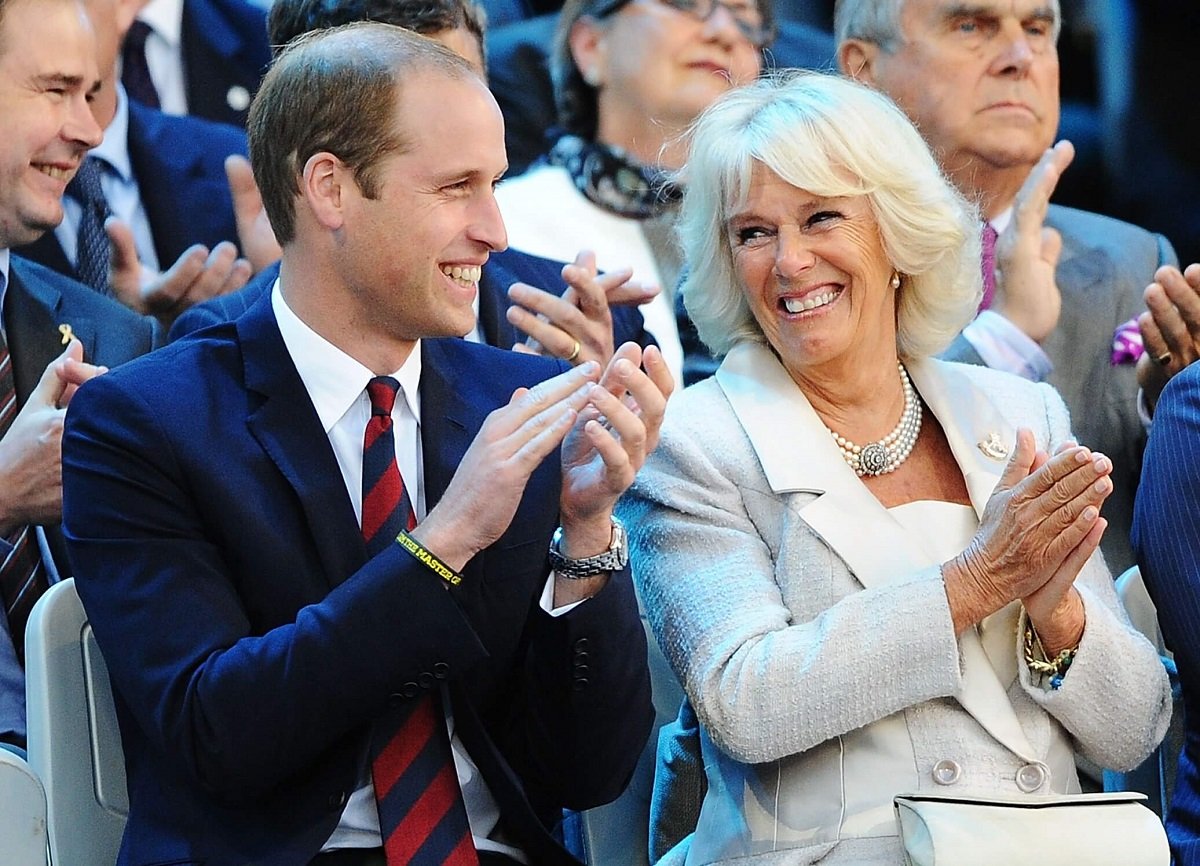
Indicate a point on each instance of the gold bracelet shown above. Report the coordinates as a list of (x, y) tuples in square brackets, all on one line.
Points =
[(423, 556), (1055, 668)]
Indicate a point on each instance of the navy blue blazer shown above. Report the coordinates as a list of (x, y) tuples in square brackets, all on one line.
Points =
[(225, 55), (251, 643), (179, 166), (37, 302), (501, 271), (1166, 540)]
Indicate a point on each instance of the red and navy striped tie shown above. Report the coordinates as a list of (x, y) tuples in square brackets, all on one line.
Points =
[(22, 574), (422, 818)]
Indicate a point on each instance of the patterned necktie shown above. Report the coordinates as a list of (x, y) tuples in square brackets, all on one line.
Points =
[(93, 251), (135, 72), (988, 265), (22, 575), (422, 818)]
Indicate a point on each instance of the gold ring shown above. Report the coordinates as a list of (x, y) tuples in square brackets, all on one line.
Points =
[(574, 353), (1164, 359)]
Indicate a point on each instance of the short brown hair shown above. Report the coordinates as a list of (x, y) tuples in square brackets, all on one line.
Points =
[(335, 91), (291, 18)]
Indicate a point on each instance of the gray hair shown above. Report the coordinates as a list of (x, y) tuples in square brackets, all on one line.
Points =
[(878, 21), (831, 137)]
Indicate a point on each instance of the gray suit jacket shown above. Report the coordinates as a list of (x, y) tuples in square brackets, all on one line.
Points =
[(1104, 268), (796, 611)]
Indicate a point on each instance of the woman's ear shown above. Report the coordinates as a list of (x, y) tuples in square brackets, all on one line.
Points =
[(589, 50)]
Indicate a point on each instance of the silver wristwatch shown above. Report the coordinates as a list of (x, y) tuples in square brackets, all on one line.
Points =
[(613, 559)]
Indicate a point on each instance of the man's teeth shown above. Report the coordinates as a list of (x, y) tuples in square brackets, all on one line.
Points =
[(54, 171), (469, 274), (796, 305)]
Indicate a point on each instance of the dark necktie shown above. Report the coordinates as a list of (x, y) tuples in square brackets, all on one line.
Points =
[(135, 73), (93, 251), (22, 575), (988, 265), (422, 818)]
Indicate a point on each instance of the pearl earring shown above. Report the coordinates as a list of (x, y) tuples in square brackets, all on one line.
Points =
[(895, 280)]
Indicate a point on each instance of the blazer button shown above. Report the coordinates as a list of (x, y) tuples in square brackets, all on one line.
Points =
[(581, 670), (441, 670), (426, 680), (946, 772), (580, 684), (581, 657), (1031, 777), (395, 699), (581, 645), (338, 800), (410, 690)]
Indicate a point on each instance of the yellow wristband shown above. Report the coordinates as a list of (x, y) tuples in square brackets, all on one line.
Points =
[(423, 556)]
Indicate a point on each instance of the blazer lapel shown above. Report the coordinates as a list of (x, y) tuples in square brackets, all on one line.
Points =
[(448, 425), (782, 426), (33, 317), (798, 455), (286, 425), (981, 440)]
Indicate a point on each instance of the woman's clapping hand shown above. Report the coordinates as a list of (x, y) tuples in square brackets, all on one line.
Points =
[(1038, 529)]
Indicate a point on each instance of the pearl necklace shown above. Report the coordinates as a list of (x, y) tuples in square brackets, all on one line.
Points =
[(886, 455)]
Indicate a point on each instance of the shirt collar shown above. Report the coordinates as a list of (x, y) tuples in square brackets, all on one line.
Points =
[(114, 149), (333, 379), (165, 18), (1001, 220)]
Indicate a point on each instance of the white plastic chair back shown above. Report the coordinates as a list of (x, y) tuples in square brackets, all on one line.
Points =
[(22, 813), (74, 742)]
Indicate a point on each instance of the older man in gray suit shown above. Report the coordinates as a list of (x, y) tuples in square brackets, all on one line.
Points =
[(980, 80)]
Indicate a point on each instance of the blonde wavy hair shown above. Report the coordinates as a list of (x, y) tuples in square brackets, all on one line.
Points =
[(831, 137)]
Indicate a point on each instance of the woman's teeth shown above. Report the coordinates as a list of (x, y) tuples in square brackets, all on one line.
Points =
[(798, 305), (469, 274)]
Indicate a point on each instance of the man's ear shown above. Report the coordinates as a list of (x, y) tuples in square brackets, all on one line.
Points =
[(322, 187), (856, 59)]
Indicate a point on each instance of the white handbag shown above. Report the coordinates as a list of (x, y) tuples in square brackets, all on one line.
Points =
[(1111, 829)]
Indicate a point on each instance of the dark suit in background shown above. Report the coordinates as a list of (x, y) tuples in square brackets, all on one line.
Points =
[(1166, 538), (179, 165), (37, 303), (501, 271), (216, 548), (225, 53)]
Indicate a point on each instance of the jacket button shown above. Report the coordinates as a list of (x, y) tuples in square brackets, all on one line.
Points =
[(581, 645), (338, 800), (426, 680), (581, 657), (395, 699), (410, 690), (1031, 777), (441, 670), (581, 670), (946, 772), (580, 684)]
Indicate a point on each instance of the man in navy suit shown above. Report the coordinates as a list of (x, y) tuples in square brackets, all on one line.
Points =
[(214, 493), (206, 57), (47, 72), (175, 238)]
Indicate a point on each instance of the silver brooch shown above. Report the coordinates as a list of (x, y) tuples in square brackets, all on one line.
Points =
[(993, 447)]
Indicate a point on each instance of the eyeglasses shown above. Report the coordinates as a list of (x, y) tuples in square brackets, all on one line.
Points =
[(746, 16)]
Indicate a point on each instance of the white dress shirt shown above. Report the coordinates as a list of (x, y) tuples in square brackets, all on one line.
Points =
[(164, 53), (336, 384)]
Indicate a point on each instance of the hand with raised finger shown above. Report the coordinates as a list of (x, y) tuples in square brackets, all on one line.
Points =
[(255, 235), (31, 449), (1027, 251), (557, 327), (482, 497), (197, 275), (1170, 328), (1033, 521)]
